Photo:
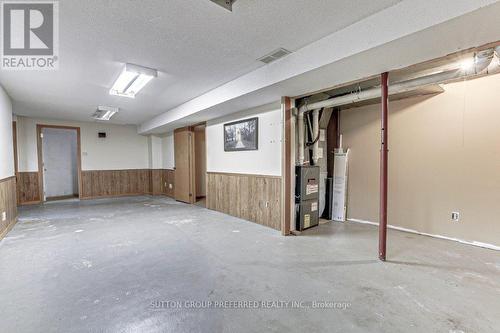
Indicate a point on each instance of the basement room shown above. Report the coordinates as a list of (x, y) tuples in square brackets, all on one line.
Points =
[(250, 166)]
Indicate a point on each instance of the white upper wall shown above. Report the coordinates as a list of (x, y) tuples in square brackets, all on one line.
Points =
[(6, 145), (122, 149), (264, 161), (155, 152), (168, 154)]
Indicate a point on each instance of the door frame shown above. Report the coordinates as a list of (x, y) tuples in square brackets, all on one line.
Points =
[(39, 128), (204, 124), (16, 165)]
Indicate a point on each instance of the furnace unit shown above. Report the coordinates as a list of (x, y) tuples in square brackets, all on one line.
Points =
[(306, 197)]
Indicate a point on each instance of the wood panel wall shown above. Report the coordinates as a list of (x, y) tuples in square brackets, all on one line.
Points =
[(163, 181), (115, 183), (8, 204), (168, 181), (254, 198), (28, 188), (105, 183)]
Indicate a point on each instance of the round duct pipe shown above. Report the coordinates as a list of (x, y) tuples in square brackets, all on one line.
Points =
[(481, 62)]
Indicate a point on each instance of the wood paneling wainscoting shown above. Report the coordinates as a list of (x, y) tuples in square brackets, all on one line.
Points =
[(104, 183), (8, 204), (162, 182), (115, 183), (168, 182), (28, 188), (254, 198)]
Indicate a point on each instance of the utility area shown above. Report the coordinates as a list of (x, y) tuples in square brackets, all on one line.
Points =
[(323, 158)]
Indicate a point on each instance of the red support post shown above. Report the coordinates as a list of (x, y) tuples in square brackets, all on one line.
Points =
[(384, 152)]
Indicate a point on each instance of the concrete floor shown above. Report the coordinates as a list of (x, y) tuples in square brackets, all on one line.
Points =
[(106, 266)]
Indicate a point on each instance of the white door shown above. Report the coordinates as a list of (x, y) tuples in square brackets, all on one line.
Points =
[(59, 156)]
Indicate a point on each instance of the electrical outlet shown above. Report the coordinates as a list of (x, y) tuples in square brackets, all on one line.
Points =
[(455, 216), (4, 216), (170, 186)]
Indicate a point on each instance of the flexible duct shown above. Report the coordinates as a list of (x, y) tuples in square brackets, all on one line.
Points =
[(300, 124), (315, 135)]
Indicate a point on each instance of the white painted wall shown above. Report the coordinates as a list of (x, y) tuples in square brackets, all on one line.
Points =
[(168, 154), (161, 151), (122, 149), (155, 152), (60, 161), (6, 146), (264, 161)]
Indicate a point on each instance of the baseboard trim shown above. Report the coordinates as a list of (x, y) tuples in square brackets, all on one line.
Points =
[(29, 203), (116, 196), (473, 243), (8, 229), (127, 195), (62, 197)]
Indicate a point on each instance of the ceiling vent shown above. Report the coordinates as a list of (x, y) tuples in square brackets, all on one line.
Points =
[(275, 55), (104, 113), (228, 4)]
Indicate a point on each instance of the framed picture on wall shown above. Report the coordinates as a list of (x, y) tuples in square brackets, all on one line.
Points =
[(242, 135)]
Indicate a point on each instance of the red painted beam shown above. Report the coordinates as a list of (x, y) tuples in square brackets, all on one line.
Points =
[(384, 154)]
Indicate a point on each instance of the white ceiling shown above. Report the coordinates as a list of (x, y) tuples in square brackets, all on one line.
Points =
[(195, 44), (405, 34)]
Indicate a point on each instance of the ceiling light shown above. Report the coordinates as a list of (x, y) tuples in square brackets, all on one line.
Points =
[(105, 113), (131, 80), (467, 64)]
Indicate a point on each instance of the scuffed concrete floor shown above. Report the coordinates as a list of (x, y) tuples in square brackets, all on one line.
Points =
[(104, 266)]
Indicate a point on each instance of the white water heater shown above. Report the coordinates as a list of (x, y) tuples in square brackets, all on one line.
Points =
[(339, 197)]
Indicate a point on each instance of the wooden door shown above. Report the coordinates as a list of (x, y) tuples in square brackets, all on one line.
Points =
[(184, 165)]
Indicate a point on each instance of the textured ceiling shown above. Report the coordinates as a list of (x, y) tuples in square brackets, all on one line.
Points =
[(195, 44)]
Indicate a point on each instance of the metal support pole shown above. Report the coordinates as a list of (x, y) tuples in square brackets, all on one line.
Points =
[(384, 152)]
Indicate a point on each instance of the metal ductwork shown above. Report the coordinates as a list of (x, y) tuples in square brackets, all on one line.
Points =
[(483, 63), (227, 4)]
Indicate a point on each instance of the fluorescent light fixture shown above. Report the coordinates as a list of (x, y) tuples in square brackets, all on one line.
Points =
[(131, 80), (105, 112)]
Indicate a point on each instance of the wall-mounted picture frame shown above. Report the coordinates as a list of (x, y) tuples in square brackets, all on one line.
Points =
[(242, 135)]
